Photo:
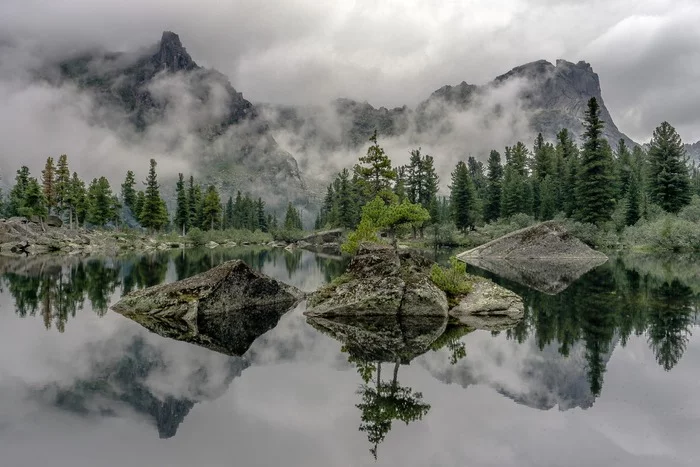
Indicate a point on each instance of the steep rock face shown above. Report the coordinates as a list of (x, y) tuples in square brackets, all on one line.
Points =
[(164, 87), (551, 96), (693, 151)]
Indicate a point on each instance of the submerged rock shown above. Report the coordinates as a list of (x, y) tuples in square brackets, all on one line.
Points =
[(545, 257), (380, 281), (224, 309), (490, 307)]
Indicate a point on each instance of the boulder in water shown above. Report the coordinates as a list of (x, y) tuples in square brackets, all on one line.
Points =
[(381, 281), (224, 309), (545, 257), (489, 306)]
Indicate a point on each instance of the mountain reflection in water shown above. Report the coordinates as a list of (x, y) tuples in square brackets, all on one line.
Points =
[(99, 366)]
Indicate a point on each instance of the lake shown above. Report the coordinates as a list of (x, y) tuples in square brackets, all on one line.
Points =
[(606, 372)]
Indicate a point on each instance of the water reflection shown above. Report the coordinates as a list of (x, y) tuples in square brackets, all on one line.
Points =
[(56, 287)]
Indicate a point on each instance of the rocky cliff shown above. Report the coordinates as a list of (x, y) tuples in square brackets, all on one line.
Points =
[(162, 93), (538, 96)]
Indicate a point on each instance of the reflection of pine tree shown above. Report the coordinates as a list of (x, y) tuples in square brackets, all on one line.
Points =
[(670, 320), (596, 306)]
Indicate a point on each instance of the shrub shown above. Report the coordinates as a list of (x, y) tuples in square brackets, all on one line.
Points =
[(365, 232), (289, 236), (453, 280), (196, 237)]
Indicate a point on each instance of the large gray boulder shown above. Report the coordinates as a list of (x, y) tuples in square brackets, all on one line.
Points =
[(545, 257), (489, 306), (224, 309), (381, 282)]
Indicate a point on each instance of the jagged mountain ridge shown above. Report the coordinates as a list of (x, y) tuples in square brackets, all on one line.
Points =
[(162, 87), (550, 96)]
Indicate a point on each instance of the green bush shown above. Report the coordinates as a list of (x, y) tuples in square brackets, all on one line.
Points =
[(453, 280), (196, 237), (668, 233), (287, 235), (365, 232)]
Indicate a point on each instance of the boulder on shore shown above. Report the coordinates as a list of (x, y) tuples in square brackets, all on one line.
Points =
[(545, 257), (224, 309), (381, 281)]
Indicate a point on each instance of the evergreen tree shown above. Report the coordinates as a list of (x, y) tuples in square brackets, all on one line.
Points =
[(77, 200), (415, 176), (129, 192), (138, 205), (48, 179), (18, 194), (35, 201), (669, 178), (182, 212), (595, 190), (400, 185), (462, 197), (346, 209), (62, 184), (211, 208), (228, 214), (623, 163), (375, 170), (194, 204), (152, 215), (567, 153), (633, 200), (262, 218), (100, 204), (492, 207), (292, 219), (548, 197)]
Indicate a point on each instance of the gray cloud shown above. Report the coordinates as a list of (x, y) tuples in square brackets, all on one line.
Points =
[(387, 52)]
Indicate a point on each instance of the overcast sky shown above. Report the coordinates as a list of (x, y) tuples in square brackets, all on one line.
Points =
[(394, 52)]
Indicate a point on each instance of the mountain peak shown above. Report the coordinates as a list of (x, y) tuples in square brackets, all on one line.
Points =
[(171, 55)]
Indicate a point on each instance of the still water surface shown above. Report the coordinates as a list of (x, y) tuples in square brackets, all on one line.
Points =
[(605, 373)]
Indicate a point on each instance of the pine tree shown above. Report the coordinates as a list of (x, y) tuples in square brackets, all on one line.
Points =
[(633, 200), (462, 197), (34, 201), (376, 173), (262, 218), (18, 194), (623, 163), (548, 197), (194, 203), (415, 176), (400, 185), (292, 219), (492, 206), (138, 205), (182, 212), (238, 212), (567, 152), (346, 208), (152, 216), (211, 208), (77, 200), (62, 184), (669, 178), (48, 179), (595, 190), (129, 192), (100, 202), (228, 214)]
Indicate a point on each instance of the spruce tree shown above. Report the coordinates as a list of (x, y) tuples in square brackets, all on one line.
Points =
[(462, 197), (669, 178), (34, 201), (375, 170), (211, 208), (138, 205), (415, 176), (194, 202), (262, 218), (100, 202), (182, 212), (129, 192), (48, 180), (228, 215), (400, 184), (292, 219), (595, 189), (567, 152), (18, 194), (492, 206), (62, 184), (345, 206), (152, 215), (77, 201), (633, 212), (623, 163)]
